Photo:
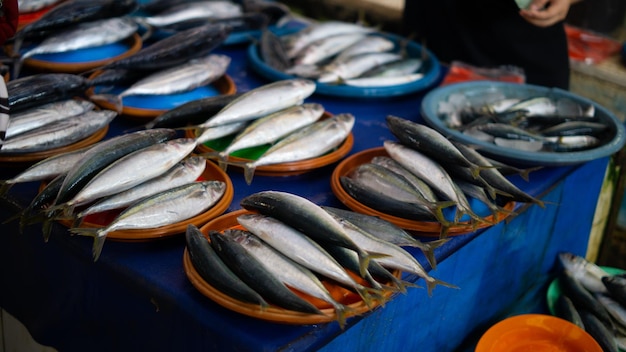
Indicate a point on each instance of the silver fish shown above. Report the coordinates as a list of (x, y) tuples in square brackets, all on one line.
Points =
[(369, 44), (42, 115), (325, 48), (155, 211), (262, 101), (60, 133), (194, 10), (355, 66), (401, 68), (313, 32), (26, 6), (422, 187), (133, 169), (308, 142), (383, 81), (219, 131), (184, 172)]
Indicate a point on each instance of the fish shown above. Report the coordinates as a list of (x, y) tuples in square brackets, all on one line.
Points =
[(308, 142), (255, 275), (192, 10), (433, 174), (299, 40), (564, 308), (212, 133), (583, 300), (187, 170), (261, 101), (325, 48), (595, 327), (305, 251), (83, 35), (60, 133), (586, 272), (131, 170), (355, 66), (239, 23), (422, 187), (305, 216), (215, 272), (45, 169), (69, 13), (574, 128), (368, 44), (272, 127), (107, 79), (288, 271), (41, 88), (383, 81), (180, 78), (192, 112), (26, 6), (388, 231), (41, 115), (104, 153), (273, 52), (155, 211), (615, 309), (174, 50), (401, 68), (616, 286)]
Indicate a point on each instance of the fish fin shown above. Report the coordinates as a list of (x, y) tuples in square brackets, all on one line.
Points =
[(341, 314), (112, 99), (5, 186), (431, 283), (429, 250), (438, 211), (98, 234), (248, 171)]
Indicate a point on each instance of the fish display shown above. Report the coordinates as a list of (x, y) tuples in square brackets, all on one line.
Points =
[(341, 53), (532, 123), (42, 88), (592, 298), (42, 115)]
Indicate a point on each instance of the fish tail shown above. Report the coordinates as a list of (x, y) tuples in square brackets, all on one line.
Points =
[(5, 187), (341, 313), (525, 174), (98, 234), (248, 172), (443, 233), (369, 295), (431, 283), (429, 251), (112, 99), (46, 229)]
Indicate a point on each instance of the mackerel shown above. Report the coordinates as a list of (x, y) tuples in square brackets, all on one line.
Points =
[(369, 44), (214, 271), (383, 81), (192, 112), (308, 142), (262, 101), (42, 115), (41, 88), (155, 211), (324, 48), (212, 133), (132, 169), (193, 10), (302, 249), (60, 133), (305, 216), (298, 41), (288, 271), (188, 170), (422, 187), (255, 275), (355, 66)]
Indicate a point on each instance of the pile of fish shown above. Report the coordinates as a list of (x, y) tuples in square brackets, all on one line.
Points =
[(145, 175), (336, 52), (533, 123), (593, 299), (273, 115), (287, 242), (425, 172)]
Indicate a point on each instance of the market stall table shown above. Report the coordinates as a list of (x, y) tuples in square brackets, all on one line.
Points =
[(137, 296)]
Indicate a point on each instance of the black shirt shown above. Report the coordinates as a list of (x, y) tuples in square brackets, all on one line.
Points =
[(489, 33)]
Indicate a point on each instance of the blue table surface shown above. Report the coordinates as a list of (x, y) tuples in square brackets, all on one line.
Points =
[(66, 300)]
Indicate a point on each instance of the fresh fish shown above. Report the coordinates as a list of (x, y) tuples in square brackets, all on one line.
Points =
[(401, 68), (104, 153), (422, 187), (389, 232), (392, 256), (296, 42), (34, 212), (26, 6), (155, 211), (564, 308), (583, 300), (262, 101), (384, 190), (274, 10), (308, 142), (305, 216), (239, 23), (186, 171), (41, 88), (288, 271), (325, 48), (383, 81), (193, 10), (174, 50), (45, 169), (131, 170), (355, 66), (212, 133), (109, 78), (478, 193), (270, 128), (255, 275), (39, 116), (616, 285), (83, 35), (302, 249), (273, 52), (177, 79), (72, 12), (433, 174), (575, 128), (587, 273), (572, 143), (215, 272), (60, 133), (192, 112), (603, 335), (613, 307), (368, 44)]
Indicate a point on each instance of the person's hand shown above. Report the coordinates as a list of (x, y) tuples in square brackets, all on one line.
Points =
[(544, 13)]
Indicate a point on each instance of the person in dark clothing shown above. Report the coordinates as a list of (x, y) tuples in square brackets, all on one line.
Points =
[(9, 16), (491, 33)]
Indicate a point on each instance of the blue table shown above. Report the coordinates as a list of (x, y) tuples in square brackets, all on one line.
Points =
[(136, 297)]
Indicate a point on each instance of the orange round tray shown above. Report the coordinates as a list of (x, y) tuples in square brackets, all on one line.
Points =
[(37, 156), (211, 172), (423, 228), (273, 313), (225, 85)]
